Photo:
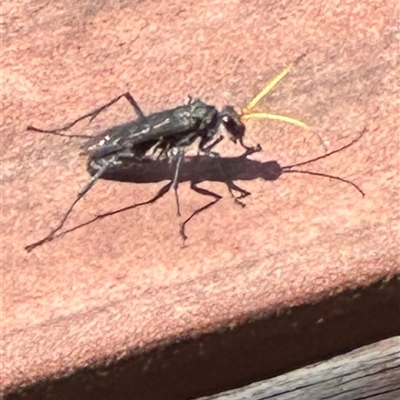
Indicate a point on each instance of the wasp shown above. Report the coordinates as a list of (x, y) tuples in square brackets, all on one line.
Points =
[(166, 135)]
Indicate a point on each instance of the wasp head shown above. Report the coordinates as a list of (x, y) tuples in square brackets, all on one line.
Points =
[(233, 123)]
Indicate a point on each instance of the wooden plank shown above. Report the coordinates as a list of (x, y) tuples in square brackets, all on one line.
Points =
[(370, 372)]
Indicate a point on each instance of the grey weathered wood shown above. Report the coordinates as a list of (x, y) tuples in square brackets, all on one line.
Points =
[(370, 372)]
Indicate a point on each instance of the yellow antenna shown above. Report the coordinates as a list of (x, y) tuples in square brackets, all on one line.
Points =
[(247, 111)]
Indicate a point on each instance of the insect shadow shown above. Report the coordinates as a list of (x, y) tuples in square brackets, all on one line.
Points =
[(198, 169)]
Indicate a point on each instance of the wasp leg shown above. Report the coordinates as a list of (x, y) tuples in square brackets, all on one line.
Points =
[(51, 235), (207, 149), (175, 181), (228, 182), (92, 115), (164, 190), (251, 150), (204, 192)]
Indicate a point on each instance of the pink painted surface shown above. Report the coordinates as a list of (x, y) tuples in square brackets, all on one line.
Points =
[(124, 282)]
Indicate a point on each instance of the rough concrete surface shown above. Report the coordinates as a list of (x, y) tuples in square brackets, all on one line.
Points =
[(124, 282)]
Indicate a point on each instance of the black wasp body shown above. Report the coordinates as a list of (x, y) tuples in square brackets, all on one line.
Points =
[(166, 133)]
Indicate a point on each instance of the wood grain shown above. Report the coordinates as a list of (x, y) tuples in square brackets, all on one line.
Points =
[(370, 372)]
